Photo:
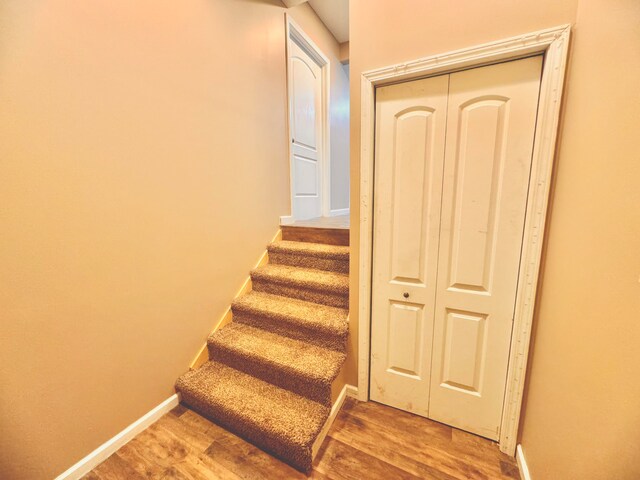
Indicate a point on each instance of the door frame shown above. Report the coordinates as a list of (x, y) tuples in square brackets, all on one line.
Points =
[(295, 33), (553, 43)]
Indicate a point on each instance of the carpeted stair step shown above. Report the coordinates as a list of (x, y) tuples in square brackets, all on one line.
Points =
[(298, 366), (275, 419), (317, 324), (327, 288), (332, 258)]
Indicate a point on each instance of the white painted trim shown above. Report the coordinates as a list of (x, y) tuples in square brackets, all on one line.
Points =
[(203, 354), (288, 220), (335, 409), (554, 44), (339, 211), (544, 149), (103, 452), (295, 32), (352, 391), (522, 464)]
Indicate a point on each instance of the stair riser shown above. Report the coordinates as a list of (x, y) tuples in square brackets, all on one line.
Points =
[(307, 261), (329, 236), (297, 456), (272, 373), (283, 327), (324, 297)]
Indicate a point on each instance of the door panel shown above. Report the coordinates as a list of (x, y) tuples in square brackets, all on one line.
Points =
[(480, 163), (405, 328), (306, 133), (491, 122), (410, 132), (304, 79), (306, 180), (464, 350)]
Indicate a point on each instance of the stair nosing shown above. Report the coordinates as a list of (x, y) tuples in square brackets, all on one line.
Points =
[(278, 247), (229, 406), (215, 341), (258, 274), (338, 328)]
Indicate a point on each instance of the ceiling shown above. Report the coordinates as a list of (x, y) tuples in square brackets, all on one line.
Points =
[(335, 15)]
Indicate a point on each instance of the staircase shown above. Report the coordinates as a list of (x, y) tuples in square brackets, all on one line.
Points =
[(270, 370)]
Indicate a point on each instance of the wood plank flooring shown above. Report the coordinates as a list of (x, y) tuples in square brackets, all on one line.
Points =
[(367, 441), (339, 222)]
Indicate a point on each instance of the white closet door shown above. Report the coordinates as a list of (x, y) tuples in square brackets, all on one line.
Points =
[(489, 141), (306, 133), (410, 133)]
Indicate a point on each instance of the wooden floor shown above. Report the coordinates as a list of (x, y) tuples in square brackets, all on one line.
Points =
[(367, 441), (340, 221)]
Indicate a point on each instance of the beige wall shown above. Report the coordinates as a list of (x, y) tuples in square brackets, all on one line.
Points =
[(582, 413), (143, 161)]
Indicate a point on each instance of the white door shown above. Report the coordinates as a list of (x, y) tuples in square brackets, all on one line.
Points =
[(491, 125), (466, 318), (305, 113), (410, 135)]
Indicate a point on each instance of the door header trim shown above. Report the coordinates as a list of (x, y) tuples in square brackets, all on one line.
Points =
[(554, 44), (295, 33)]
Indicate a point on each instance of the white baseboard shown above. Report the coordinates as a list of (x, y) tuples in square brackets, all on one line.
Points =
[(339, 211), (335, 409), (101, 453), (287, 220), (522, 464), (105, 450), (352, 391)]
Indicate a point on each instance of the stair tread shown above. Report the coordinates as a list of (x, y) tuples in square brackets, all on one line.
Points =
[(253, 405), (317, 364), (303, 278), (308, 314), (322, 250)]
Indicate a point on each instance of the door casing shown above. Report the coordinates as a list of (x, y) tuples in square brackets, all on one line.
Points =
[(295, 33), (553, 43)]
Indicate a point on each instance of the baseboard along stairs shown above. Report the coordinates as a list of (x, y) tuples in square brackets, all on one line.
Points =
[(270, 371)]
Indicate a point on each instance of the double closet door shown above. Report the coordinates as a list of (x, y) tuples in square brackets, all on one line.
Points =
[(452, 167)]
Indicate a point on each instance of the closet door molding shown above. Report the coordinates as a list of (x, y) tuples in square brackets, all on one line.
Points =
[(554, 44)]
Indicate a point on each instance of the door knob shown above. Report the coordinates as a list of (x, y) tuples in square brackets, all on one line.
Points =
[(405, 294)]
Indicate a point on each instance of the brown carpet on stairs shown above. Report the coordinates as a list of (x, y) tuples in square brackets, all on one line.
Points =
[(296, 365), (274, 419), (327, 288), (313, 322), (270, 370), (310, 255)]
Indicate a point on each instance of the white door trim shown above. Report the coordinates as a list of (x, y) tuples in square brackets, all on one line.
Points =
[(295, 32), (554, 44)]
